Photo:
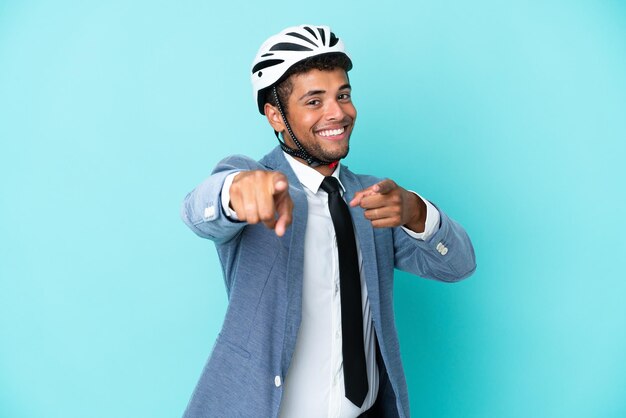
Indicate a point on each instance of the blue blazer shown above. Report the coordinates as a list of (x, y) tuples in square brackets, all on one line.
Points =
[(263, 275)]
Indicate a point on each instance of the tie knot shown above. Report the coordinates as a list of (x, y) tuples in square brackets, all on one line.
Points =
[(330, 185)]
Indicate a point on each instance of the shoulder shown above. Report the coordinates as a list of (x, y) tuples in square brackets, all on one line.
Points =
[(272, 161), (237, 162)]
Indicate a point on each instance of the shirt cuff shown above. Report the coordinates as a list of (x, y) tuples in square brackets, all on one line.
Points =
[(228, 181), (432, 221)]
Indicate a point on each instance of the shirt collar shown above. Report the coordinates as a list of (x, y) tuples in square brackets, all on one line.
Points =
[(309, 177)]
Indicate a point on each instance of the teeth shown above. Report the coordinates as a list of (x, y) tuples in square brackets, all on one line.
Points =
[(331, 132)]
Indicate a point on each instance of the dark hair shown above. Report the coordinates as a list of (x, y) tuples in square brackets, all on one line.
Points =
[(324, 62)]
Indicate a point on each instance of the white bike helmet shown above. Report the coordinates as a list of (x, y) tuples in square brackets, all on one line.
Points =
[(282, 51)]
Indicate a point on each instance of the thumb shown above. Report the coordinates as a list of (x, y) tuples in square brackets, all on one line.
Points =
[(384, 186), (279, 183)]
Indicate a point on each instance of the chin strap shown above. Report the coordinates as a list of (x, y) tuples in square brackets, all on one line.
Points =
[(301, 152)]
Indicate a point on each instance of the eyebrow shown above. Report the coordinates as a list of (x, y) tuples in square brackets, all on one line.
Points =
[(309, 93)]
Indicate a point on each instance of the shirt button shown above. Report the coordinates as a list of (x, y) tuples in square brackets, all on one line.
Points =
[(277, 381)]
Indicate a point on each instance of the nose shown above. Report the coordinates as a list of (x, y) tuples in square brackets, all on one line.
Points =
[(334, 111)]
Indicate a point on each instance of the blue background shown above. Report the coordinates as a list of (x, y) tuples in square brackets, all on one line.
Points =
[(511, 116)]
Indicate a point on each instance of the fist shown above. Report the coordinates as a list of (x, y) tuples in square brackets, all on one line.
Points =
[(386, 204), (262, 196)]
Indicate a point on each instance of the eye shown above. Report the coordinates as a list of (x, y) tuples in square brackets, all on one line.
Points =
[(313, 102), (344, 97)]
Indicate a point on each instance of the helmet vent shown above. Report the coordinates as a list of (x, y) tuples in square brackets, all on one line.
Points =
[(321, 31), (304, 38), (333, 39), (308, 29), (265, 64), (288, 46)]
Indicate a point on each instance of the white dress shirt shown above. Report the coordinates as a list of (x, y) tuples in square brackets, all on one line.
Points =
[(314, 385)]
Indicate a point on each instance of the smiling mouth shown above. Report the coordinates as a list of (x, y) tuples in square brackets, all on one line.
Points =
[(331, 132)]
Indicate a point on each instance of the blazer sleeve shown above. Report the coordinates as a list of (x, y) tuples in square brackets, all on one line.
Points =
[(448, 255), (201, 209)]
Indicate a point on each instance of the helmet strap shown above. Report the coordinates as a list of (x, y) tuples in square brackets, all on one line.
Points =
[(301, 152)]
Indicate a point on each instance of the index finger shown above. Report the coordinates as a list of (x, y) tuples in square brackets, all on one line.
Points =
[(358, 196), (284, 211), (383, 187)]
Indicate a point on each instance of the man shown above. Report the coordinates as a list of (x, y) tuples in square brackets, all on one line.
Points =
[(308, 250)]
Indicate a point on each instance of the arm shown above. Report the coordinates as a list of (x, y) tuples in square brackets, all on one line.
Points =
[(256, 195), (201, 209)]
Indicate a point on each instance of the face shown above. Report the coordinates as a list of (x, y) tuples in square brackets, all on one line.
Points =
[(321, 113)]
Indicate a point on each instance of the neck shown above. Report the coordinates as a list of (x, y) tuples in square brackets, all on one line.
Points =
[(325, 170)]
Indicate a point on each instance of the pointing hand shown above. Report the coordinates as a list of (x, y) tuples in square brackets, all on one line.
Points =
[(262, 196), (388, 205)]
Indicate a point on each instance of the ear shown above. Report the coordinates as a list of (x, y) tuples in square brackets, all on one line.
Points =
[(274, 118)]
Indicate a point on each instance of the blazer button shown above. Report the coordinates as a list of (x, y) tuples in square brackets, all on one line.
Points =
[(277, 381)]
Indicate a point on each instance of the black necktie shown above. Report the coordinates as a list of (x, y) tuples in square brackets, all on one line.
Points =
[(353, 350)]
